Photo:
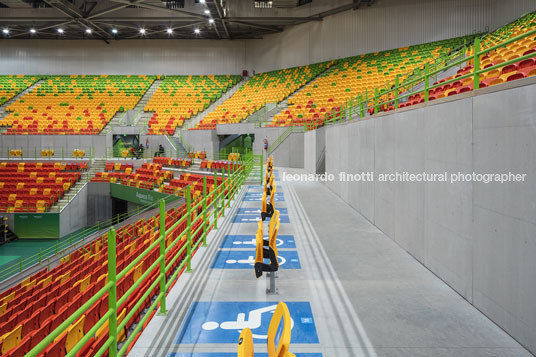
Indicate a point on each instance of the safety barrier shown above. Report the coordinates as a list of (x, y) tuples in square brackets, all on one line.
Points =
[(168, 241), (65, 245), (392, 90), (46, 153)]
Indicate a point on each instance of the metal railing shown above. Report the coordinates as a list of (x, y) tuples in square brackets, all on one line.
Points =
[(17, 153), (211, 205), (64, 246), (391, 95)]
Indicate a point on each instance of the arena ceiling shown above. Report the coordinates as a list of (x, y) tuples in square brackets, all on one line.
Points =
[(153, 19)]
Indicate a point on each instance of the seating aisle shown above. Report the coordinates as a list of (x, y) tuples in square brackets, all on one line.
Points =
[(350, 290)]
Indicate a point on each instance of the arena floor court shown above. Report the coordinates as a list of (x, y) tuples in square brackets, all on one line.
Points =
[(355, 291)]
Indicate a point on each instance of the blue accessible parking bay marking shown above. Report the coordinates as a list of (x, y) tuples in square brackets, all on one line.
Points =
[(245, 259), (254, 218), (248, 241), (231, 354), (222, 322), (252, 210)]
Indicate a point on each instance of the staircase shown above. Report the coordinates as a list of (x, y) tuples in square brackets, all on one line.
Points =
[(97, 165), (181, 151), (268, 116), (144, 117), (193, 121), (283, 105), (3, 112)]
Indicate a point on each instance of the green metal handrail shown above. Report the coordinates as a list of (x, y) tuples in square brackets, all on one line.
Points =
[(358, 105), (232, 182), (89, 153), (66, 244), (280, 139)]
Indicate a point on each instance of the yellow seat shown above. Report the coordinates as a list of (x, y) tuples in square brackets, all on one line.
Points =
[(280, 328), (83, 283), (75, 333), (245, 343), (11, 339)]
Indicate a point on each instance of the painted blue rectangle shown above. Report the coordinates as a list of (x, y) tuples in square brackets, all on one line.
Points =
[(255, 194), (254, 210), (222, 322), (254, 218), (259, 198), (245, 259), (248, 241), (233, 354)]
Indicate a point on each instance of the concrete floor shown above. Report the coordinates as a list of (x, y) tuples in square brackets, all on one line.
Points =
[(368, 296)]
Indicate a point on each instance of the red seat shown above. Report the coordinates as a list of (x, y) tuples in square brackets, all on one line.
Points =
[(513, 77), (56, 349), (526, 63), (509, 68)]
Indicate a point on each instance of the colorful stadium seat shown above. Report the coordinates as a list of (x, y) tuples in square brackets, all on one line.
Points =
[(74, 104), (262, 88), (180, 97)]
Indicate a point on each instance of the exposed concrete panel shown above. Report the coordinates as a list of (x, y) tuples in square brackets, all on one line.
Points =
[(480, 238), (448, 207), (74, 216), (504, 220)]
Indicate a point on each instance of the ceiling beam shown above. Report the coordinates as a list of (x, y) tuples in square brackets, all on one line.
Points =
[(112, 9), (161, 8), (219, 10), (265, 27), (356, 4)]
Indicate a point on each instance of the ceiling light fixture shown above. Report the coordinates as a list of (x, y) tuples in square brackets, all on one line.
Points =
[(197, 31), (5, 31), (201, 1), (114, 31), (169, 30), (88, 31), (60, 30), (32, 31), (142, 31), (207, 11), (210, 21)]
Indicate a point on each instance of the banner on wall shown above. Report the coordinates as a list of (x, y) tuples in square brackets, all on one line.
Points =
[(136, 195), (37, 225)]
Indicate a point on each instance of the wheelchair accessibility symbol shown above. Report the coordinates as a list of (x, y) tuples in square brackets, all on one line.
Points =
[(222, 322), (253, 322)]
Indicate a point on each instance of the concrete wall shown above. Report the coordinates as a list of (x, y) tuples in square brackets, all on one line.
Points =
[(74, 216), (34, 143), (288, 154), (202, 140), (479, 238), (99, 203), (385, 25), (122, 57)]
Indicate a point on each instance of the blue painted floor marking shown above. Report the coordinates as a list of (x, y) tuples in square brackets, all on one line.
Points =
[(222, 322), (248, 241), (245, 259)]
